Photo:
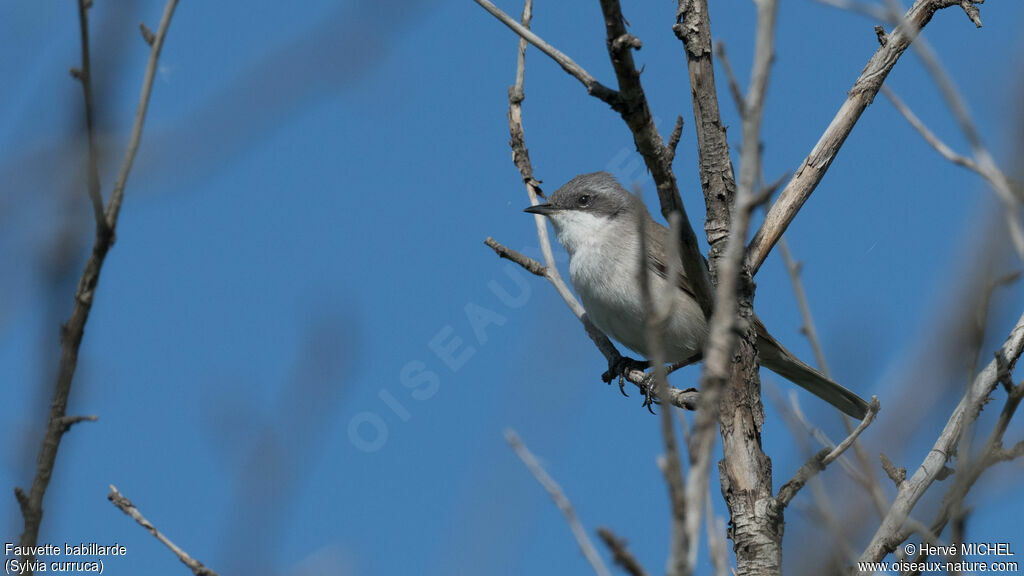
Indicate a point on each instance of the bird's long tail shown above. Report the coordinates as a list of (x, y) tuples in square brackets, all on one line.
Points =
[(781, 361)]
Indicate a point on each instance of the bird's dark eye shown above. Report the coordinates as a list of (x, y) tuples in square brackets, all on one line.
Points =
[(583, 200)]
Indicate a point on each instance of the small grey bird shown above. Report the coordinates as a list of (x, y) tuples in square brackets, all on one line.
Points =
[(597, 221)]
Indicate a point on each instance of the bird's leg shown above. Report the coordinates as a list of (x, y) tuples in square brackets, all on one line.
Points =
[(649, 386), (683, 363), (620, 367)]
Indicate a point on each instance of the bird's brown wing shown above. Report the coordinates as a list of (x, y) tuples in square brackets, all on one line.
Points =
[(659, 237)]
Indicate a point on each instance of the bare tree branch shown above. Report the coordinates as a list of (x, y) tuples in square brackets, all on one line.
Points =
[(555, 491), (821, 501), (69, 421), (673, 139), (870, 10), (870, 482), (822, 459), (637, 114), (824, 441), (969, 471), (991, 173), (734, 86), (898, 475), (983, 162), (910, 491), (128, 508), (531, 265), (74, 329), (621, 555), (84, 75), (927, 134), (813, 168), (117, 196), (595, 88)]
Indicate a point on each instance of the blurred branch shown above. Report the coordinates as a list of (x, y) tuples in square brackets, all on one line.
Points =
[(984, 166), (734, 86), (885, 539), (731, 389), (993, 453), (128, 508), (864, 8), (117, 196), (681, 542), (84, 75), (716, 537), (555, 491), (621, 555), (813, 168), (927, 134), (981, 317), (983, 162), (73, 331)]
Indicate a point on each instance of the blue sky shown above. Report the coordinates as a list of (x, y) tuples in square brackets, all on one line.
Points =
[(307, 215)]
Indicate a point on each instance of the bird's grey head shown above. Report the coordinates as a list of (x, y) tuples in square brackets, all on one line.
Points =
[(586, 206)]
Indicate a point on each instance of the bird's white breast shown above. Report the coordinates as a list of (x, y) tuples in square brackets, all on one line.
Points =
[(604, 269)]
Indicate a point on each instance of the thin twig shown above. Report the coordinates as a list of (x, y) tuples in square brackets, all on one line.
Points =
[(84, 75), (128, 508), (870, 10), (855, 473), (820, 498), (673, 139), (621, 555), (716, 536), (74, 330), (870, 482), (898, 474), (983, 162), (117, 196), (69, 421), (734, 85), (978, 327), (954, 100), (991, 173), (813, 169), (927, 134), (611, 97), (822, 459), (531, 265), (555, 491)]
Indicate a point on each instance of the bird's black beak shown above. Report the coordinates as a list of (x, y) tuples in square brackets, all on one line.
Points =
[(542, 209)]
